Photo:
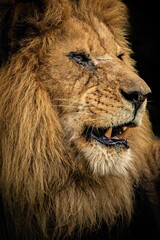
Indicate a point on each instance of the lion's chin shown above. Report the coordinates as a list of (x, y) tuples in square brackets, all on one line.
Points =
[(107, 150), (111, 156), (104, 160)]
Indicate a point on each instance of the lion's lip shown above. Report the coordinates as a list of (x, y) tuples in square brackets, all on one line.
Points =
[(110, 136)]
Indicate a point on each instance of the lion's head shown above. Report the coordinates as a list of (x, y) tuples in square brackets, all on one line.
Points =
[(74, 131)]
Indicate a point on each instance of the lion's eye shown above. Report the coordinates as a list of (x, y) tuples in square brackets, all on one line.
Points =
[(82, 59), (120, 56)]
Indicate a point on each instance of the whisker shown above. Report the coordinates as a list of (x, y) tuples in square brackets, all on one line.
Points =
[(63, 105), (72, 104), (92, 130), (82, 113), (65, 99), (87, 130), (79, 105)]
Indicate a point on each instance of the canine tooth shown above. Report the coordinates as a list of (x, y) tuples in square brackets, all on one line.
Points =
[(125, 128), (108, 133), (123, 134)]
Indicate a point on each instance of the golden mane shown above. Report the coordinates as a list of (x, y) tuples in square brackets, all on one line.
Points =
[(41, 184)]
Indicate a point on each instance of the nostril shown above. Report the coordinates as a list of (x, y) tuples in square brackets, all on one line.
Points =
[(137, 98)]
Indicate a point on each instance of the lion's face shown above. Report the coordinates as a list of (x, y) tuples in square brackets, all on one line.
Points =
[(75, 137), (98, 95)]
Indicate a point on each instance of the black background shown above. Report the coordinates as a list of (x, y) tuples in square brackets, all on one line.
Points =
[(145, 42)]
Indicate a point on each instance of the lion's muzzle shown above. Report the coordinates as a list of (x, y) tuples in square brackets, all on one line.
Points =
[(135, 97)]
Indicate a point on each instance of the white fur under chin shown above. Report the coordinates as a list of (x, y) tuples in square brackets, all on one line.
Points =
[(112, 161), (102, 160)]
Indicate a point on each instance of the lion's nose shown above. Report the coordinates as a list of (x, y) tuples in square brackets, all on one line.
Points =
[(135, 97)]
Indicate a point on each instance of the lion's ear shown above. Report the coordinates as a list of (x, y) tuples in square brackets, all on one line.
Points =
[(22, 19)]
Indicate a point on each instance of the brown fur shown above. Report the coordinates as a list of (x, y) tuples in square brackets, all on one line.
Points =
[(48, 175)]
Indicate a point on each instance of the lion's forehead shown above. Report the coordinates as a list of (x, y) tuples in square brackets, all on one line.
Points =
[(96, 38), (98, 42)]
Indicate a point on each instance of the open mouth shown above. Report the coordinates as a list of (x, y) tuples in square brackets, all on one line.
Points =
[(111, 136)]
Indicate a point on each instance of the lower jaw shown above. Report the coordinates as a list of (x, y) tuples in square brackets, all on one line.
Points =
[(104, 161), (120, 143), (109, 161), (111, 137)]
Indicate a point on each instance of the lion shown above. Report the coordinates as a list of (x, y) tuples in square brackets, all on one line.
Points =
[(76, 139)]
